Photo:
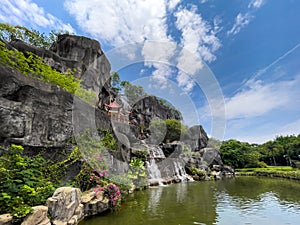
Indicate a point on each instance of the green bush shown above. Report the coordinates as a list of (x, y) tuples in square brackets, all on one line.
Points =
[(23, 182), (137, 172)]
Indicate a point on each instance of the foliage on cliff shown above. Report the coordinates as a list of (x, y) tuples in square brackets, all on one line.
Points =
[(33, 37), (33, 66), (167, 130)]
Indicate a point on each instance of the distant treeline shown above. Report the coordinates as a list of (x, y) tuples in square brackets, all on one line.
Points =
[(284, 150)]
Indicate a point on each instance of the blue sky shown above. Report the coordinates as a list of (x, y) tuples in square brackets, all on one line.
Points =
[(245, 52)]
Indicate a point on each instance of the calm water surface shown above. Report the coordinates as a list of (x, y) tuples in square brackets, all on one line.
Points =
[(242, 200)]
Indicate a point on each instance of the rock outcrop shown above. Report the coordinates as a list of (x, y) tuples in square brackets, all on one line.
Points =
[(80, 54), (65, 206), (39, 216), (197, 138), (148, 108), (94, 205), (6, 219), (33, 113)]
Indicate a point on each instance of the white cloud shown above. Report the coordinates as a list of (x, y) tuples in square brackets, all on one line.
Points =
[(197, 34), (173, 3), (243, 19), (198, 41), (185, 82), (161, 75), (258, 99), (189, 62), (121, 22), (256, 4), (240, 22), (24, 12), (124, 22)]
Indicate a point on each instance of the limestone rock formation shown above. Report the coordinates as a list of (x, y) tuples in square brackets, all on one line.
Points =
[(78, 53), (149, 108), (6, 219), (33, 113), (197, 138), (38, 217), (93, 205), (65, 206)]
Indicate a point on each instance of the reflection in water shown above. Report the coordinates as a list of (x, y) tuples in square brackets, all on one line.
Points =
[(244, 200), (258, 201), (154, 199)]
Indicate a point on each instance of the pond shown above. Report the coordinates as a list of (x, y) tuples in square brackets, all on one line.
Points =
[(236, 201)]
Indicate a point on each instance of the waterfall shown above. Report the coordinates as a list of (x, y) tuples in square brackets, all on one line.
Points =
[(179, 171), (153, 172)]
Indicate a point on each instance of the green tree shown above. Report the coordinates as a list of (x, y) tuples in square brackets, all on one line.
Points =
[(158, 130), (240, 154), (31, 36), (115, 82), (132, 92), (175, 130)]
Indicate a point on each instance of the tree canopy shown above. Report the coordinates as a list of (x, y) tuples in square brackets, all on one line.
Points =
[(281, 151), (31, 36)]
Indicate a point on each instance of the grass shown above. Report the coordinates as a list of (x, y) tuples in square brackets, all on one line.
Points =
[(269, 168), (271, 171)]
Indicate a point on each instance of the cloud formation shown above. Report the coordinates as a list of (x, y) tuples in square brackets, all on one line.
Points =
[(199, 43), (197, 35), (243, 19), (23, 12), (240, 22), (256, 4), (121, 22)]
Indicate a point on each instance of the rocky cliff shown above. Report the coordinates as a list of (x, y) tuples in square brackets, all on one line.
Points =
[(38, 115), (82, 55)]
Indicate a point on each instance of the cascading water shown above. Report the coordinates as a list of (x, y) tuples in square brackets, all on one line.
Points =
[(154, 175), (180, 172)]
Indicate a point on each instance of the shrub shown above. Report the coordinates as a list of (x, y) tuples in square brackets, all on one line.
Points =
[(23, 182), (112, 192)]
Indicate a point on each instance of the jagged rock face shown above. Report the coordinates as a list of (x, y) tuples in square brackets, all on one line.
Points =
[(36, 114), (33, 113), (197, 138), (94, 70), (212, 156), (65, 206), (74, 52), (147, 109)]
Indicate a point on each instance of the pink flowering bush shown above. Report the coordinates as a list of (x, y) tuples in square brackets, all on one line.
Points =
[(112, 192), (90, 177)]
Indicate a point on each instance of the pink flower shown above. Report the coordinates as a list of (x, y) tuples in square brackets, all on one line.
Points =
[(99, 158), (101, 174)]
